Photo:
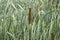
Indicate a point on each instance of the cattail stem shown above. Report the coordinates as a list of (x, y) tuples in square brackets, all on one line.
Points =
[(52, 36), (29, 15)]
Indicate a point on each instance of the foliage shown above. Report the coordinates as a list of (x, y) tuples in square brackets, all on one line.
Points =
[(45, 18)]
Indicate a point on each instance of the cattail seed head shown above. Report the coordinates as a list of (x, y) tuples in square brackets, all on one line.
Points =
[(29, 15), (52, 36)]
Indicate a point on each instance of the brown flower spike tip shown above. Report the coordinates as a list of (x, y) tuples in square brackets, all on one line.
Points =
[(52, 36), (29, 15)]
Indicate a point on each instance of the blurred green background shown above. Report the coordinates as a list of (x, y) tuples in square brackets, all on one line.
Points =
[(45, 18)]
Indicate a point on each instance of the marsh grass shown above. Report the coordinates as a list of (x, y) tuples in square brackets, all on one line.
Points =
[(45, 19)]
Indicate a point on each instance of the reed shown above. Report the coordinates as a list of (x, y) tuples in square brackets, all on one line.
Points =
[(42, 18)]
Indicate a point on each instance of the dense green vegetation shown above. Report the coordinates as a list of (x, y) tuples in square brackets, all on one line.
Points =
[(45, 18)]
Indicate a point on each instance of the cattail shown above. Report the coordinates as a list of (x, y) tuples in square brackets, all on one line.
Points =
[(29, 15), (52, 36)]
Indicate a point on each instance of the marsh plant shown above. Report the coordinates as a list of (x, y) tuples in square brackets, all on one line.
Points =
[(44, 19)]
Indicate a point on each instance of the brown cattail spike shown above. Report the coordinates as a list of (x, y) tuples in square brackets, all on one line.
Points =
[(52, 36), (29, 15)]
